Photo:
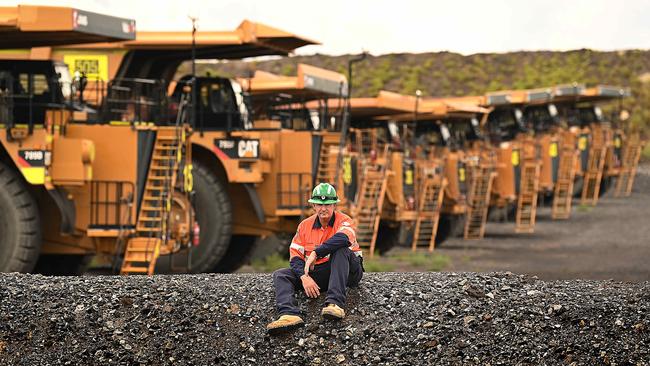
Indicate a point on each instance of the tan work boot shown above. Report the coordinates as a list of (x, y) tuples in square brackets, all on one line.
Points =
[(333, 312), (284, 323)]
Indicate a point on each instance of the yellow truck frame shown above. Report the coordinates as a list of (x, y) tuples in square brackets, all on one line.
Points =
[(247, 183), (71, 189)]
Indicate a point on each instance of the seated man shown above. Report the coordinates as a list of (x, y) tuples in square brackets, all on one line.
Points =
[(324, 255)]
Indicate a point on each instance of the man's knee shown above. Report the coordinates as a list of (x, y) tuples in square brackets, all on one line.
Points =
[(341, 252), (283, 273)]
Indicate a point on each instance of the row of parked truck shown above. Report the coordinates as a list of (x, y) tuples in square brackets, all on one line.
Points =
[(105, 152), (430, 169)]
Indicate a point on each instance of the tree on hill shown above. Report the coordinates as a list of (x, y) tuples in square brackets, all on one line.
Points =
[(451, 74)]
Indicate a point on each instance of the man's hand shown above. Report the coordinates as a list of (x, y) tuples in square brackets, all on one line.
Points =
[(309, 263), (311, 288)]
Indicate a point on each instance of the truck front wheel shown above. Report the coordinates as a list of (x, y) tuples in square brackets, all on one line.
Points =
[(214, 214), (20, 225)]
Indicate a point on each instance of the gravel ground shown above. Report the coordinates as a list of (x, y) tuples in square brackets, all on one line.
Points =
[(609, 241), (393, 319)]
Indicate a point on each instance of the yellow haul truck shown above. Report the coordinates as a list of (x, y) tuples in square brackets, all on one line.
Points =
[(547, 122), (397, 165), (524, 128), (248, 134), (453, 172), (521, 127), (73, 184), (367, 166), (601, 141), (247, 182)]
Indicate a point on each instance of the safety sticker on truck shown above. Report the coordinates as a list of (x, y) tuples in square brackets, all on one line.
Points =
[(32, 164), (32, 158), (236, 148), (94, 67)]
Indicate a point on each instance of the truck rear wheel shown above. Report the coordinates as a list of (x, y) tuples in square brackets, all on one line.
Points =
[(63, 264), (20, 225), (238, 253), (578, 183), (387, 237), (605, 184), (449, 226), (214, 214)]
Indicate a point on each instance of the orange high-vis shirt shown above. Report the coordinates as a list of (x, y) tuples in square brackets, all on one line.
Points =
[(311, 234)]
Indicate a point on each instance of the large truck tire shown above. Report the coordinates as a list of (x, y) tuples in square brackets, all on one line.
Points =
[(20, 224), (388, 236), (63, 264), (214, 214), (578, 183), (238, 253), (449, 226), (605, 184)]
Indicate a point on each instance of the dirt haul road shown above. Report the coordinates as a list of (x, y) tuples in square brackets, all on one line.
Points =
[(609, 241)]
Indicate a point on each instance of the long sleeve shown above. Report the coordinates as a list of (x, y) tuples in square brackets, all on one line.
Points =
[(297, 266), (345, 237), (297, 254), (336, 242)]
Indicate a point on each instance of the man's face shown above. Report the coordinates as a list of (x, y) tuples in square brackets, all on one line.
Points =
[(324, 212)]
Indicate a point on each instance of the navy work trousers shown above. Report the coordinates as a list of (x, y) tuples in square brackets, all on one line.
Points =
[(343, 269)]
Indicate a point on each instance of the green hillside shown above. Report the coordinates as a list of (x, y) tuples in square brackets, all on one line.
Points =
[(451, 74)]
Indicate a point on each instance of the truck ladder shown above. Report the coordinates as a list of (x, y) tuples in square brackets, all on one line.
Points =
[(368, 210), (429, 203), (563, 192), (366, 140), (527, 201), (327, 160), (143, 250), (630, 163), (478, 201), (593, 175)]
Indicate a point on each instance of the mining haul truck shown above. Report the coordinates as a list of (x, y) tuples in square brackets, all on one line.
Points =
[(247, 182), (73, 183)]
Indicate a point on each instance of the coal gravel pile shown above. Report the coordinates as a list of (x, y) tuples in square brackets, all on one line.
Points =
[(392, 319)]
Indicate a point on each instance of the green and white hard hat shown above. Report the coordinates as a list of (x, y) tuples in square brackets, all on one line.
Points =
[(324, 194)]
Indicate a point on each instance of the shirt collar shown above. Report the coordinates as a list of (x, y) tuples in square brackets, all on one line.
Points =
[(317, 224)]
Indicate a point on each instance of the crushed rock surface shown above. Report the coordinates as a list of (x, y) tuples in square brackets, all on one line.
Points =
[(392, 319)]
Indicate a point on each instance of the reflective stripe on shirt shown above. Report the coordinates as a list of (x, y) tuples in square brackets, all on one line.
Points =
[(297, 247)]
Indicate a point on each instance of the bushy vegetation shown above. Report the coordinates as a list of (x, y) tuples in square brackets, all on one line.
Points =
[(270, 263), (407, 261), (395, 260), (451, 74)]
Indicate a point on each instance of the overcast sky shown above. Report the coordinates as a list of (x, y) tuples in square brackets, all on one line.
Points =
[(350, 26)]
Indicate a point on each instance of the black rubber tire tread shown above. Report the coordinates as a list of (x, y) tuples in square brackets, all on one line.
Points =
[(448, 226), (214, 214), (20, 224), (605, 184), (238, 253), (387, 237), (62, 264), (577, 186)]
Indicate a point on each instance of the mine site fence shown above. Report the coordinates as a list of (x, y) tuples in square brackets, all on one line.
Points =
[(32, 102), (136, 100), (111, 204), (293, 190)]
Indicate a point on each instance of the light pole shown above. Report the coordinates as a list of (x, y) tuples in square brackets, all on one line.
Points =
[(193, 79), (346, 114), (411, 141), (418, 94)]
